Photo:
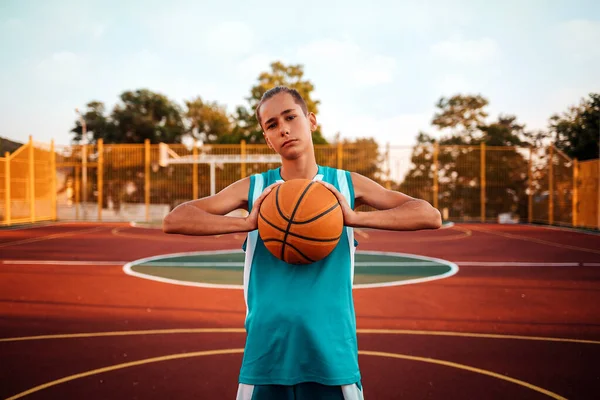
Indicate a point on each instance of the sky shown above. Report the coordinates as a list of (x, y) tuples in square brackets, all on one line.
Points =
[(378, 67)]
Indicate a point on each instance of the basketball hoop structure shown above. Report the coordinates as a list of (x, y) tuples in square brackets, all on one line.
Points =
[(167, 157)]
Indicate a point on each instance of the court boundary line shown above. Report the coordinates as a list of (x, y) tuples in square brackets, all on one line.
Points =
[(536, 240), (128, 269), (459, 263), (50, 237), (203, 353), (118, 231), (242, 330)]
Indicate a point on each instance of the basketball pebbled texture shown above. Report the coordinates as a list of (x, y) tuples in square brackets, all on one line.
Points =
[(300, 222)]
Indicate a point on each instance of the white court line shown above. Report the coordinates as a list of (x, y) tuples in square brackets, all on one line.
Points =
[(358, 264), (58, 262), (128, 269), (525, 264), (241, 264)]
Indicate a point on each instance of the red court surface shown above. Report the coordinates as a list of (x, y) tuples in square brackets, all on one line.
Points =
[(520, 319)]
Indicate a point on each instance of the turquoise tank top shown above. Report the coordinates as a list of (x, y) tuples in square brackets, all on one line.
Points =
[(300, 320)]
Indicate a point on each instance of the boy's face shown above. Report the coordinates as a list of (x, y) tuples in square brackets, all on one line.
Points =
[(285, 127)]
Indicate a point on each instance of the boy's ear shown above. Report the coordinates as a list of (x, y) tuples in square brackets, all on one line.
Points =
[(312, 118)]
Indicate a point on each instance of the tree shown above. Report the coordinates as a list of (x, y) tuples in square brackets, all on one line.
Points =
[(462, 114), (247, 126), (208, 121), (576, 131), (146, 115), (98, 125), (141, 115), (459, 160)]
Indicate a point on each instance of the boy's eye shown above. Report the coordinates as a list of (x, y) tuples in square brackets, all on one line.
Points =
[(270, 126), (290, 117)]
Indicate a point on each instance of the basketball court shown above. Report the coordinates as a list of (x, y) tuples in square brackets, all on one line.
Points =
[(470, 311)]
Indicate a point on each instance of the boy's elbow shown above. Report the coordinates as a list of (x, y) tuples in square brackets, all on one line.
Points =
[(168, 226), (433, 218), (436, 218)]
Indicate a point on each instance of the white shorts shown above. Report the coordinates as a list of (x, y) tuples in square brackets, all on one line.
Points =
[(303, 391)]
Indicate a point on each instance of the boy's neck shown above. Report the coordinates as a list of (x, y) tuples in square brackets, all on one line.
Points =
[(301, 168)]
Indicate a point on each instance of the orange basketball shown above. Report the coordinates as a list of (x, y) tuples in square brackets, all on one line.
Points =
[(300, 221)]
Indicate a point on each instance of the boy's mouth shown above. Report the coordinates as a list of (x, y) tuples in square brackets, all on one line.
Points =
[(288, 142)]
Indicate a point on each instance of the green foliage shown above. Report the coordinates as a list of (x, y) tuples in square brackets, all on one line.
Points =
[(459, 161), (141, 115), (576, 131), (208, 121), (461, 113)]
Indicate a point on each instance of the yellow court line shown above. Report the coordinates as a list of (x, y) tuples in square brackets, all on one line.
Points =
[(433, 238), (466, 368), (125, 333), (474, 335), (359, 232), (49, 237), (124, 365), (176, 238), (534, 240), (242, 330), (238, 351)]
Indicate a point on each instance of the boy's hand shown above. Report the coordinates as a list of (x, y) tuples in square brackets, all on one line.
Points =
[(349, 214), (252, 218)]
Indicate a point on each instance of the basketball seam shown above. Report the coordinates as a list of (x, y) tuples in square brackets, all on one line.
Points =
[(277, 206), (287, 231), (292, 246), (295, 234), (330, 209), (301, 222)]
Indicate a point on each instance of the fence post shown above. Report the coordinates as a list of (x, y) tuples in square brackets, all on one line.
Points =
[(243, 156), (84, 179), (100, 178), (340, 154), (147, 177), (530, 186), (53, 193), (551, 185), (483, 182), (575, 199), (77, 192), (195, 172), (7, 200), (436, 151), (31, 181)]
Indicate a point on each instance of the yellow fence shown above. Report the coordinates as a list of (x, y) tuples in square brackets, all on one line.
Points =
[(28, 182), (142, 182)]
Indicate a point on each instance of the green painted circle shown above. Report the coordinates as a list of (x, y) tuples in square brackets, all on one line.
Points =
[(227, 268)]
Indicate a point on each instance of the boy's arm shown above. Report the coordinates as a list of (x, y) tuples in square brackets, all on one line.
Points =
[(206, 216), (394, 210)]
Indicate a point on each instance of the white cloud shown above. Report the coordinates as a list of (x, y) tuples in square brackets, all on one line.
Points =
[(183, 31), (397, 130), (345, 60), (12, 23), (466, 51), (249, 68), (231, 38), (62, 67), (580, 38), (97, 30)]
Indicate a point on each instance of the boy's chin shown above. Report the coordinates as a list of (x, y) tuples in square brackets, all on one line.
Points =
[(291, 153)]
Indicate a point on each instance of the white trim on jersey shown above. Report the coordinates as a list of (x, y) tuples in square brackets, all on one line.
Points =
[(345, 190), (252, 238)]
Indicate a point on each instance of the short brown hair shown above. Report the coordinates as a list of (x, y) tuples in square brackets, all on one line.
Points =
[(281, 89)]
